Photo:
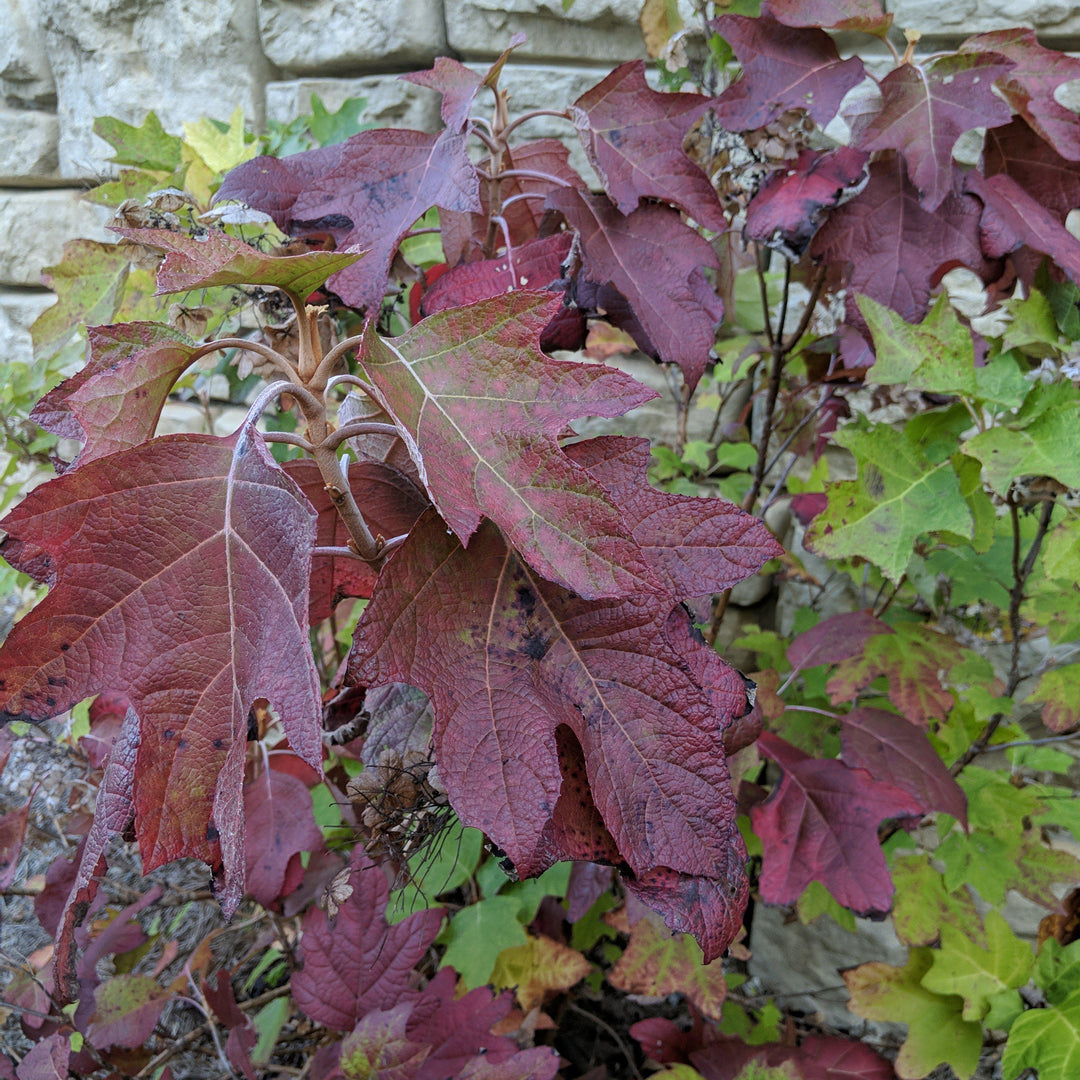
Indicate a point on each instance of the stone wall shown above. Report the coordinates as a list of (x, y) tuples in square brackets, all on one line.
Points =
[(64, 62)]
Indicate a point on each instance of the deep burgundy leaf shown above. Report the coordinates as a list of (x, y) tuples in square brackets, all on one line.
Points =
[(114, 402), (458, 1029), (927, 107), (787, 210), (178, 575), (379, 1038), (49, 903), (694, 546), (46, 1060), (895, 248), (633, 137), (822, 1057), (127, 1009), (509, 659), (865, 15), (537, 1063), (280, 823), (657, 262), (458, 84), (1029, 87), (1013, 219), (12, 833), (1044, 174), (366, 196), (483, 408), (535, 265), (588, 882), (359, 964), (106, 717), (783, 68), (463, 235), (834, 639), (390, 501), (725, 1057), (894, 750), (220, 259), (242, 1035), (820, 824)]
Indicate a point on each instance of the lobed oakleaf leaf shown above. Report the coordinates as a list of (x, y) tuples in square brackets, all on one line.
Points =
[(195, 612), (355, 963), (1029, 87), (115, 401), (658, 264), (820, 824), (895, 247), (912, 658), (221, 259), (937, 1031), (657, 963), (1057, 970), (633, 137), (898, 752), (899, 495), (926, 107), (148, 146), (481, 408), (89, 283), (511, 662), (366, 193), (538, 967), (977, 972), (783, 68), (834, 639), (864, 15), (1052, 180), (923, 905), (1047, 1040)]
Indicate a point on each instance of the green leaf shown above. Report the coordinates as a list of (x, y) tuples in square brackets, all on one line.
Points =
[(816, 901), (937, 355), (1043, 440), (1061, 550), (132, 184), (220, 147), (978, 974), (478, 933), (88, 282), (698, 454), (1001, 381), (996, 804), (1004, 1007), (1059, 689), (983, 512), (450, 863), (331, 128), (936, 433), (530, 892), (148, 146), (899, 495), (1047, 1040), (937, 1031), (268, 1022), (1034, 329), (1057, 970), (979, 859), (922, 905)]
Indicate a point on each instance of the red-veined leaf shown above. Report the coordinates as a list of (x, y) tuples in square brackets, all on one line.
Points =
[(834, 639)]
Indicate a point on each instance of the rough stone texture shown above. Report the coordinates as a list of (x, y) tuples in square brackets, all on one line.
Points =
[(18, 310), (184, 60), (391, 102), (28, 148), (1053, 19), (25, 76), (336, 36), (803, 962), (35, 225), (602, 30)]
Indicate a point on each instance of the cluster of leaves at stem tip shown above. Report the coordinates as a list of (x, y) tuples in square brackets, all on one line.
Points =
[(409, 577)]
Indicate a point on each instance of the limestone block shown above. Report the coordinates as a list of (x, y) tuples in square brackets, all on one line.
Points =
[(602, 30), (28, 147), (390, 102), (1053, 19), (25, 76), (800, 962), (124, 58), (35, 225), (19, 308), (334, 36)]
